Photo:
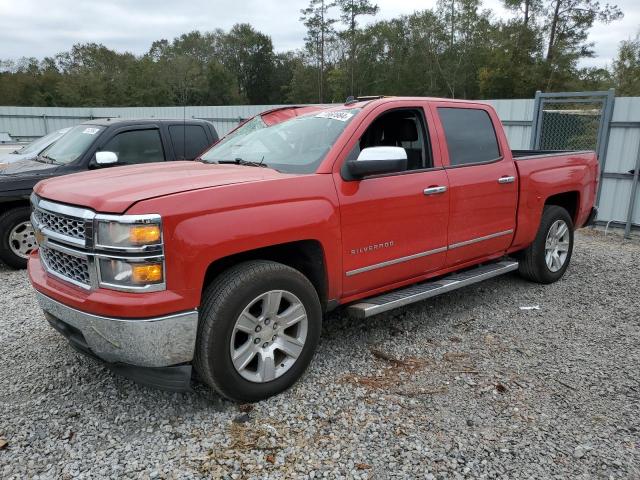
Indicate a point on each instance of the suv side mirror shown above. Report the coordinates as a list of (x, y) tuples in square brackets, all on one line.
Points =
[(376, 160), (106, 158)]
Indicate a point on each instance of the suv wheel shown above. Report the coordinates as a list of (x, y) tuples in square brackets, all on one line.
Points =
[(17, 238), (547, 258), (259, 328)]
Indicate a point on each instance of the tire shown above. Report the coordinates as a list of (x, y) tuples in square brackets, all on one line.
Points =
[(249, 290), (17, 239), (534, 264)]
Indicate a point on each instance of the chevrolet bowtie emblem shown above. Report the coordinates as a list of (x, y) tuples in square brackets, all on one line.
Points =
[(39, 236)]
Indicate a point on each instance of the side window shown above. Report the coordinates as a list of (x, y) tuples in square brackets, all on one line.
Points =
[(470, 135), (400, 128), (188, 141), (136, 146)]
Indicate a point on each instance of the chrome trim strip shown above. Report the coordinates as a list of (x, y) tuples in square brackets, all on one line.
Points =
[(480, 239), (395, 261), (152, 342), (73, 212), (427, 253)]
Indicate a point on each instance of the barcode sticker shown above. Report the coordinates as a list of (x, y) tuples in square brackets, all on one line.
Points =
[(342, 116)]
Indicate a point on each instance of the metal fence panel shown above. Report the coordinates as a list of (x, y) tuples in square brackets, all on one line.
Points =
[(622, 152), (26, 123), (516, 118)]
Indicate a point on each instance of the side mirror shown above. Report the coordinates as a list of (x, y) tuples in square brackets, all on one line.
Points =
[(376, 160), (106, 158)]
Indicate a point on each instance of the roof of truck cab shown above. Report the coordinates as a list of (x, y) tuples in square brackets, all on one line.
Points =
[(105, 122), (370, 101)]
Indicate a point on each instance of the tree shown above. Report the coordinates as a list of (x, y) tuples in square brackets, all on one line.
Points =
[(319, 31), (568, 28), (248, 54), (626, 68), (350, 11), (528, 8)]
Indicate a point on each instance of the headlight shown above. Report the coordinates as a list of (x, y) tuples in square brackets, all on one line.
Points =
[(129, 232), (131, 273), (131, 253)]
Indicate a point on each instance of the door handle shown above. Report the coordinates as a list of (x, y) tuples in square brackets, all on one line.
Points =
[(435, 190), (506, 179)]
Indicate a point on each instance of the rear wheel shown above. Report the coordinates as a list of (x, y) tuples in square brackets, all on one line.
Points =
[(548, 257), (17, 238), (258, 330)]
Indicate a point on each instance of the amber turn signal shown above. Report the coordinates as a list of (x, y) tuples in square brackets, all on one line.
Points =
[(146, 273), (144, 234)]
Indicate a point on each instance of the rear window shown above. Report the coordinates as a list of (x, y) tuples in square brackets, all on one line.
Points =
[(470, 136), (196, 141)]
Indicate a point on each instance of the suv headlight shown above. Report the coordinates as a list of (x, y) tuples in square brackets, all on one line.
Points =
[(137, 262)]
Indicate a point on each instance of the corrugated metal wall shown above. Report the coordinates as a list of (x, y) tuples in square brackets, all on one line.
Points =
[(623, 150), (29, 122)]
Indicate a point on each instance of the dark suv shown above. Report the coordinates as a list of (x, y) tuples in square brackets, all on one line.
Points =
[(90, 145)]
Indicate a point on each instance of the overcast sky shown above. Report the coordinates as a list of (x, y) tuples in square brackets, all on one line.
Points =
[(37, 28)]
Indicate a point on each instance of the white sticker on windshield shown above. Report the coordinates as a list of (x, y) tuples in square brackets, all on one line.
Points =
[(91, 130), (342, 116)]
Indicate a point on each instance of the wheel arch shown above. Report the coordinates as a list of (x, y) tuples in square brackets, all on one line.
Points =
[(570, 201), (306, 256), (10, 205)]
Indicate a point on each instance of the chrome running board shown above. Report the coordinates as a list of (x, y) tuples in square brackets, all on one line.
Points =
[(421, 291)]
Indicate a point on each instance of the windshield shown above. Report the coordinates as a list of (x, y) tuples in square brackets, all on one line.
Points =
[(297, 145), (41, 143), (73, 144), (256, 123)]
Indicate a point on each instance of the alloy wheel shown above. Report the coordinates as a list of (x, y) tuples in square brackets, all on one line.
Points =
[(269, 336)]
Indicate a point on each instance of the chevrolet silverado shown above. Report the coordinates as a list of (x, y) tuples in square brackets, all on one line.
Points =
[(228, 265)]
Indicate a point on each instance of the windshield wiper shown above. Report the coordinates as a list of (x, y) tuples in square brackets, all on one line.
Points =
[(240, 161), (51, 160)]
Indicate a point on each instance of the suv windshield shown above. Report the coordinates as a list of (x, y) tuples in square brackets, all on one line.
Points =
[(297, 145), (73, 144), (41, 143)]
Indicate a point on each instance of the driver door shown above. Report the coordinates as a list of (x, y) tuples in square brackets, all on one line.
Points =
[(393, 229)]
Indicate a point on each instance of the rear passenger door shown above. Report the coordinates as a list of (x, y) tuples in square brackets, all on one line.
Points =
[(482, 182), (188, 141), (139, 144)]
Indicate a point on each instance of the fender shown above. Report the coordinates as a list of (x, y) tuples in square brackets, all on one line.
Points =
[(203, 226), (540, 180)]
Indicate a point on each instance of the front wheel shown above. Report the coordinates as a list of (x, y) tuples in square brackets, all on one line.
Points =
[(258, 330), (547, 258), (17, 238)]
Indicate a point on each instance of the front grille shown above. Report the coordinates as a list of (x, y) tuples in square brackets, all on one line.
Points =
[(70, 227), (68, 266)]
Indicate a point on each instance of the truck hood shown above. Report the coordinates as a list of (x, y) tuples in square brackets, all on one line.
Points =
[(114, 190)]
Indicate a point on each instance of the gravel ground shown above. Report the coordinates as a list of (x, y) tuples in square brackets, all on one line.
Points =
[(466, 385)]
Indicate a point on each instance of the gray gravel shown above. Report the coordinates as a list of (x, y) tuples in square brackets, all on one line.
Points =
[(467, 385)]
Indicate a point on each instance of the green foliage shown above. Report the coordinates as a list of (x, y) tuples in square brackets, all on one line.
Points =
[(626, 68), (457, 49)]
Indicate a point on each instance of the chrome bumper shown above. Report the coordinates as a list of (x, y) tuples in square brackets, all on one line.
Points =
[(152, 342)]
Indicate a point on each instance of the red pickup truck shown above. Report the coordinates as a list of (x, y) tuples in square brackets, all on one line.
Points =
[(229, 264)]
